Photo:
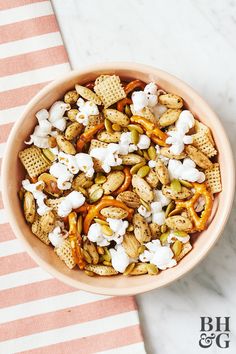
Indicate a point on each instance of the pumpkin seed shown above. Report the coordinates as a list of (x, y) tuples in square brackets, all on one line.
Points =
[(129, 268), (96, 195), (163, 237), (145, 204), (89, 273), (181, 233), (116, 127), (107, 230), (135, 127), (100, 250), (136, 167), (169, 208), (80, 224), (83, 191), (100, 221), (141, 249), (107, 256), (152, 153), (107, 263), (186, 183), (130, 228), (175, 212), (100, 179), (48, 154), (177, 248), (163, 228), (118, 168), (128, 110), (143, 171), (152, 269), (87, 256), (145, 155), (134, 136), (108, 125), (175, 185)]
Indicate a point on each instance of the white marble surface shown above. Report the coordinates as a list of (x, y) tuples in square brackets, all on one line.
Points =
[(195, 40)]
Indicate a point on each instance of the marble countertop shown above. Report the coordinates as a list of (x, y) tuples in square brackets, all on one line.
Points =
[(194, 40)]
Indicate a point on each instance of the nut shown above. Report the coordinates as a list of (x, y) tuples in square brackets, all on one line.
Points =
[(140, 268), (109, 137), (179, 222), (131, 245), (141, 229), (152, 178), (114, 213), (81, 181), (71, 97), (165, 151), (171, 101), (29, 207), (50, 184), (72, 113), (162, 172), (73, 130), (88, 94), (155, 230), (114, 181), (170, 193), (142, 188), (66, 146), (132, 159), (47, 221), (169, 117), (131, 199), (198, 157), (117, 117), (102, 270)]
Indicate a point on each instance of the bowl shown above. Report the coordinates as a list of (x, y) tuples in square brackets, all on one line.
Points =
[(13, 173)]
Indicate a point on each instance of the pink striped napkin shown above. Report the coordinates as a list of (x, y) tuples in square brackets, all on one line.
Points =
[(38, 314)]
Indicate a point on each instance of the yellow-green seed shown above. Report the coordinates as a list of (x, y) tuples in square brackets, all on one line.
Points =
[(96, 195), (100, 221), (163, 228), (87, 256), (163, 237), (107, 263), (152, 153), (169, 208), (152, 269), (176, 212), (141, 249), (177, 248), (83, 191), (186, 183), (100, 250), (108, 125), (145, 155), (143, 171), (136, 127), (116, 127), (100, 179), (89, 273), (48, 154), (107, 230), (129, 269), (128, 110), (118, 168), (181, 233), (134, 136), (145, 204), (136, 167), (72, 113), (175, 185)]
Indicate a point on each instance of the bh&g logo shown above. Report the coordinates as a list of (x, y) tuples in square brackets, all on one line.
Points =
[(214, 329)]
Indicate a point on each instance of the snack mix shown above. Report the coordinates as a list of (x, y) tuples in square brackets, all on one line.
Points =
[(119, 175)]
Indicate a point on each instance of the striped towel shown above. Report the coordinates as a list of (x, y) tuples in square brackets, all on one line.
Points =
[(38, 314)]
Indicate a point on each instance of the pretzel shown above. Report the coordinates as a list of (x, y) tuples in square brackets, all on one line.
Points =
[(155, 133), (121, 104), (198, 221), (94, 211), (126, 182), (87, 136), (75, 240), (133, 85)]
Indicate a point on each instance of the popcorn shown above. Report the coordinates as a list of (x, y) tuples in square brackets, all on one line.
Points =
[(161, 256), (56, 236), (72, 201), (79, 162), (146, 98), (39, 196), (118, 227), (119, 258), (186, 171), (108, 156), (56, 114), (86, 109), (172, 237), (63, 175)]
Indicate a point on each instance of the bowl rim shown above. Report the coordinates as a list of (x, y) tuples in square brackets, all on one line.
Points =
[(113, 66)]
